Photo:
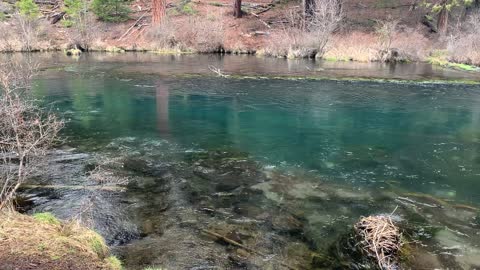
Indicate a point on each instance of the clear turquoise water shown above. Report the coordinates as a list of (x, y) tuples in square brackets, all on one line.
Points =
[(425, 136), (342, 148)]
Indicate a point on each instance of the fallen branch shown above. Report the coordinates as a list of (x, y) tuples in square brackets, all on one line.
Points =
[(218, 71), (233, 242), (262, 21), (237, 244), (131, 27)]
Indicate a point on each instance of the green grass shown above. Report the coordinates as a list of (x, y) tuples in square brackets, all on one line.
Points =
[(46, 217), (463, 66), (114, 263), (334, 59), (439, 58), (98, 245), (154, 268), (188, 9)]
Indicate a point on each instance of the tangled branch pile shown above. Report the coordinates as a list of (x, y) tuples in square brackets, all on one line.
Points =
[(380, 240)]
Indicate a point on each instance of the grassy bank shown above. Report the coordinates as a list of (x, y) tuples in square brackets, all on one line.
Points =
[(43, 242)]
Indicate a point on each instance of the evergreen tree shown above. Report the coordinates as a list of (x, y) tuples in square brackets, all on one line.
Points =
[(111, 10)]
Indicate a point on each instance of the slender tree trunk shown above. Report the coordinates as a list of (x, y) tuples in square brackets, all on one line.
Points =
[(237, 9), (442, 21), (158, 11)]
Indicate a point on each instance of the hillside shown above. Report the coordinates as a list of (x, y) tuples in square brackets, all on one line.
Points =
[(207, 26)]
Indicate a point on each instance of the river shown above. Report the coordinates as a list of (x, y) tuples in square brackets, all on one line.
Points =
[(283, 156)]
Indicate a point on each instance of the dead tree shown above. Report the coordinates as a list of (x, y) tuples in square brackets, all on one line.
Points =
[(237, 8), (159, 8)]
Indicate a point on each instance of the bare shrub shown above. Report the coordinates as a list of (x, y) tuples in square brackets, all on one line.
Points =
[(26, 131), (326, 16), (29, 30), (202, 35), (291, 43), (464, 45), (386, 31), (306, 36), (9, 39), (195, 34), (413, 43), (163, 35)]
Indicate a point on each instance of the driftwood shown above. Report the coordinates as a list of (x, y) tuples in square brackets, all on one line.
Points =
[(380, 239)]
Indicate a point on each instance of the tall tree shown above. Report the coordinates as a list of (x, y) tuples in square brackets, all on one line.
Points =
[(443, 9), (442, 21), (237, 8), (158, 11)]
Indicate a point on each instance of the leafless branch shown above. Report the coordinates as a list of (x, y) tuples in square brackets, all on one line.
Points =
[(26, 130)]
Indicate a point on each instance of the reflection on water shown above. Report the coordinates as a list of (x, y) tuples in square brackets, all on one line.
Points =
[(424, 137), (164, 65), (292, 161)]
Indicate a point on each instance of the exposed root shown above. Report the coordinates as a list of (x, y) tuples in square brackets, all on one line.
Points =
[(380, 239)]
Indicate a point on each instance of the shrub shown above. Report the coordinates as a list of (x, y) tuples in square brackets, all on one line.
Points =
[(111, 10), (306, 36), (464, 46), (28, 9), (27, 19), (194, 34), (26, 131)]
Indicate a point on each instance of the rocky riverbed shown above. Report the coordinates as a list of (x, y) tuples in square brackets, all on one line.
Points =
[(158, 204)]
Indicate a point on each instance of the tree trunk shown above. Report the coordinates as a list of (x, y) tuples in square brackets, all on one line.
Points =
[(237, 9), (158, 11), (442, 21)]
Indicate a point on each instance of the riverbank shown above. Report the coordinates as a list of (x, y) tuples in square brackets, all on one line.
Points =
[(208, 27), (42, 242)]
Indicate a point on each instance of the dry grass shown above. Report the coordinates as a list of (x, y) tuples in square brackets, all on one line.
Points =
[(46, 243), (413, 43), (365, 47), (195, 34), (354, 46), (464, 45), (12, 39), (290, 43), (380, 239)]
